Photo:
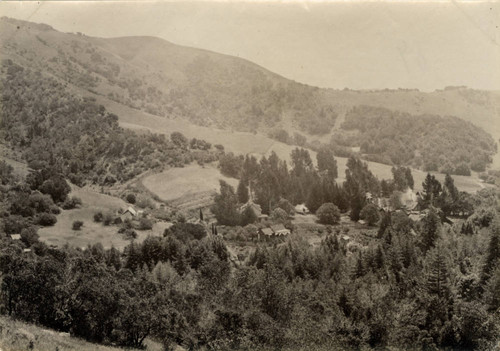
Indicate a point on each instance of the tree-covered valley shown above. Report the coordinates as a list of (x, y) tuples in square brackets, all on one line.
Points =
[(288, 253)]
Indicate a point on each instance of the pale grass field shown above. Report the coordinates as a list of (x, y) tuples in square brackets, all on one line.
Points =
[(193, 179)]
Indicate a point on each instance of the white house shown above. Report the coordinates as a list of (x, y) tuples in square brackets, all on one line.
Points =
[(301, 209)]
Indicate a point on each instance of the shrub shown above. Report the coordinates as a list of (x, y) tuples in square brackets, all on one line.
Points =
[(55, 210), (71, 203), (98, 217), (279, 215), (77, 225), (46, 219), (131, 198), (285, 205), (328, 213), (129, 234), (29, 236), (107, 219), (145, 224), (144, 201), (127, 224), (370, 214)]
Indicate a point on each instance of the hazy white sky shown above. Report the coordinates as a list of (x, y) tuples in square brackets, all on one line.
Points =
[(357, 45)]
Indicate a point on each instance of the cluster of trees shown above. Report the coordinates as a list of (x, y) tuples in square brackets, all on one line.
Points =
[(446, 197), (270, 181), (433, 143), (34, 201), (55, 129), (156, 288)]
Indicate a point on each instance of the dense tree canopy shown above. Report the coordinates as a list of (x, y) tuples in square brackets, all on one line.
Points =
[(432, 143)]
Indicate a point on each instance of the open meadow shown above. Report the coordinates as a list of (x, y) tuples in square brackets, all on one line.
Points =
[(92, 232), (188, 186)]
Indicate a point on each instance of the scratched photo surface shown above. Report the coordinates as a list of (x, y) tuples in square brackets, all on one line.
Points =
[(231, 175)]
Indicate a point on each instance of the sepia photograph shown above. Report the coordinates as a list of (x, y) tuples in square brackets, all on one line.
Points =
[(250, 175)]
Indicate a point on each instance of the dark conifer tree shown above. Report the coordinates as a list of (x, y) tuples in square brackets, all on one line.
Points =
[(430, 230), (493, 254), (242, 192)]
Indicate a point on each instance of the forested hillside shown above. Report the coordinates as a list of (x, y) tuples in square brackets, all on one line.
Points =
[(430, 142), (225, 92), (59, 132)]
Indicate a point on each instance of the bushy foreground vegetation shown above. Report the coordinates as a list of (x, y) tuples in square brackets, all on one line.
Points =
[(434, 289)]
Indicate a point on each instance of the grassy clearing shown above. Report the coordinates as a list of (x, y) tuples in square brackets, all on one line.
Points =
[(91, 232), (188, 185), (17, 336)]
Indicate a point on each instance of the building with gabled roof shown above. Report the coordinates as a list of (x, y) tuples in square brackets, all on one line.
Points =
[(15, 236), (279, 230), (266, 231), (301, 209), (129, 213)]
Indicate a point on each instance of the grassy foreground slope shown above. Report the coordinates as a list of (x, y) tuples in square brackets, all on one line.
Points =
[(19, 336)]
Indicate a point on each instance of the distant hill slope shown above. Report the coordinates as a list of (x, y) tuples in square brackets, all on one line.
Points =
[(217, 90)]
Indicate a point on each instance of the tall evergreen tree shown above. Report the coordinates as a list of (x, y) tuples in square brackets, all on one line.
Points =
[(225, 205), (242, 192), (384, 224), (437, 280), (327, 163), (431, 190), (430, 230), (493, 254)]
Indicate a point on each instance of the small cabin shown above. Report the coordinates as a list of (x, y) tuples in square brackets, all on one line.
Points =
[(301, 209), (15, 236), (129, 213)]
